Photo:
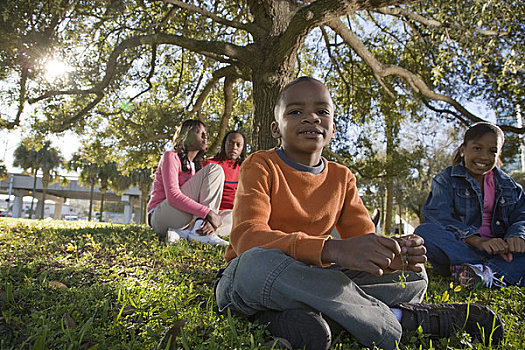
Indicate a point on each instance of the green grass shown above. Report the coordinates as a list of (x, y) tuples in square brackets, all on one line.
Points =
[(67, 285)]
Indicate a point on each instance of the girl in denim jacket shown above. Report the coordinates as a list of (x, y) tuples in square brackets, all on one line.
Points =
[(475, 216)]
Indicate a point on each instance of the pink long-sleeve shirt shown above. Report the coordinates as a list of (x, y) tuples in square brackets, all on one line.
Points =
[(169, 177)]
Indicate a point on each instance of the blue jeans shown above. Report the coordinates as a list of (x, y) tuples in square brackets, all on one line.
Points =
[(267, 279), (444, 249)]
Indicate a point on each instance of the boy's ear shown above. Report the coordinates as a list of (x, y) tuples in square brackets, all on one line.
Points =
[(276, 134), (333, 131)]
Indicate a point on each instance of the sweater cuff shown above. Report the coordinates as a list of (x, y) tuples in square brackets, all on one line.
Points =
[(205, 212), (308, 250)]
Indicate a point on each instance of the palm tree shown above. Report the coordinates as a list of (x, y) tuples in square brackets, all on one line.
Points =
[(29, 156), (49, 159), (25, 157)]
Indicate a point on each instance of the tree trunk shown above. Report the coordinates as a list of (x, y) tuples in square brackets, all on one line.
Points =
[(41, 214), (143, 197), (400, 209), (226, 115), (274, 65), (33, 194), (144, 194), (91, 192), (265, 89), (102, 205), (389, 204)]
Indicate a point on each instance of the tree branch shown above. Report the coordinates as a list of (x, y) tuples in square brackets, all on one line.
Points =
[(403, 12), (226, 115), (193, 8), (321, 12), (80, 113), (199, 46), (218, 74), (332, 58), (415, 82), (150, 74)]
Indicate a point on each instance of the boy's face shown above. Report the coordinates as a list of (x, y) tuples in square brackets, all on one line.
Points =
[(304, 120)]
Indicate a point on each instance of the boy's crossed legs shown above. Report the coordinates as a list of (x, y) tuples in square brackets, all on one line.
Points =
[(262, 279)]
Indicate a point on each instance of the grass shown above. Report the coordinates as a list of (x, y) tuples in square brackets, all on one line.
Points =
[(69, 285)]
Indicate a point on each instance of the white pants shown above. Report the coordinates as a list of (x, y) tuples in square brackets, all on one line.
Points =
[(204, 187)]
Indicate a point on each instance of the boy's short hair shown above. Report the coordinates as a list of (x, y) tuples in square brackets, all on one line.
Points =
[(288, 86)]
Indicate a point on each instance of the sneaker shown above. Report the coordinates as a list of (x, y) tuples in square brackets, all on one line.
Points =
[(212, 239), (301, 329), (440, 321), (172, 235), (474, 276)]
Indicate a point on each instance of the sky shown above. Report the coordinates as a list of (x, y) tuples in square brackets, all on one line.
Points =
[(67, 144)]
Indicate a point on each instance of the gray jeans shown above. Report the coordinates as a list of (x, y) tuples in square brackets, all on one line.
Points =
[(262, 279)]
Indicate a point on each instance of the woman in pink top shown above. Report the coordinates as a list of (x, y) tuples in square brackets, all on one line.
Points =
[(182, 190)]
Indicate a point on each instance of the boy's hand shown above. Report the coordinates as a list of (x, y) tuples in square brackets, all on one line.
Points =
[(412, 255), (370, 253)]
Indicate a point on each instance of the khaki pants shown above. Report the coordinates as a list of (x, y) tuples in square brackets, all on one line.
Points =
[(226, 227), (204, 187)]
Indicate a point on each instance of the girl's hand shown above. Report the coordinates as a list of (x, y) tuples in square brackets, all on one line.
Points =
[(516, 245), (214, 219), (206, 229), (494, 246)]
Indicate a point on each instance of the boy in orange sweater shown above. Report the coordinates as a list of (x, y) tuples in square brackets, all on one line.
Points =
[(286, 270)]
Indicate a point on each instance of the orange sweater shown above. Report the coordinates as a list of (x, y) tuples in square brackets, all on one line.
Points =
[(277, 206)]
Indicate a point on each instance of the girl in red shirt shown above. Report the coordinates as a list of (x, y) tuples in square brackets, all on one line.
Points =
[(230, 158)]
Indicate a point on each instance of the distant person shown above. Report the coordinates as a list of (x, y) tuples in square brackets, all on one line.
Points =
[(474, 226), (186, 196), (230, 158), (285, 270)]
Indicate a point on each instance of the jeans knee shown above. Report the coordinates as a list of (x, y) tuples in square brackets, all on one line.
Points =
[(430, 232)]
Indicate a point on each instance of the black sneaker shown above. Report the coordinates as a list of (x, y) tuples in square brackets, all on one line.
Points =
[(440, 321), (301, 328)]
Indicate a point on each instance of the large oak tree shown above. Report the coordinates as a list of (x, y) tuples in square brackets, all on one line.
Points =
[(127, 54)]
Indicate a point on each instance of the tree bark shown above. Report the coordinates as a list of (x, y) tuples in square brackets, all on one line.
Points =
[(45, 183), (33, 194), (266, 86), (226, 115), (91, 190), (102, 205), (389, 203)]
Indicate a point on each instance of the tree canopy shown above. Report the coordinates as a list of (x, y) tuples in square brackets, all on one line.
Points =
[(137, 68)]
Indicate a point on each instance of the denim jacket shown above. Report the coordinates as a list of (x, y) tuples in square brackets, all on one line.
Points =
[(455, 202)]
